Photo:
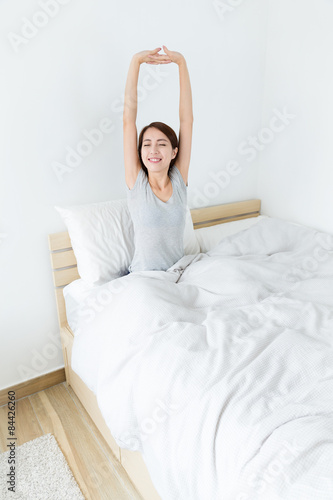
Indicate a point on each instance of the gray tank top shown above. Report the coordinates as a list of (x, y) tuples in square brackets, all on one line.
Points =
[(158, 225)]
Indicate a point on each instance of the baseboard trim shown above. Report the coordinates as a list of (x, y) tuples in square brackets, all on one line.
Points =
[(33, 385)]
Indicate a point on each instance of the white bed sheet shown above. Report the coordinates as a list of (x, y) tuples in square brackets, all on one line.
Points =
[(83, 300), (220, 370), (78, 291)]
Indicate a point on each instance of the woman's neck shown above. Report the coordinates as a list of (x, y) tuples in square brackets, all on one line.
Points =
[(159, 182)]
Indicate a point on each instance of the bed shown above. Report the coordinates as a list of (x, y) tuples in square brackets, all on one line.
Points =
[(219, 383)]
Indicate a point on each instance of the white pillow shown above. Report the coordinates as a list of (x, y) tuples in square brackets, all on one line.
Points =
[(209, 237), (102, 237)]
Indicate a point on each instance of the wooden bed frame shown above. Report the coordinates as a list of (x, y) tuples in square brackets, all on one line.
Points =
[(65, 271)]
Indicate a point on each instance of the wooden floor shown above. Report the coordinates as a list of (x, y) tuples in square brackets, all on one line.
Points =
[(58, 411)]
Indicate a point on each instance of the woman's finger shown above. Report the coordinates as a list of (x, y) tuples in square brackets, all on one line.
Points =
[(160, 57), (158, 62), (162, 62)]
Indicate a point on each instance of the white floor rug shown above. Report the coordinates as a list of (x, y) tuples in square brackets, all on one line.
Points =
[(41, 472)]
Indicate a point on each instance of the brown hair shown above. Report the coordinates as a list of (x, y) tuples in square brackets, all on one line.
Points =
[(171, 135)]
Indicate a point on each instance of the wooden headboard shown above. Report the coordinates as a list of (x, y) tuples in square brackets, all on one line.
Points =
[(63, 261)]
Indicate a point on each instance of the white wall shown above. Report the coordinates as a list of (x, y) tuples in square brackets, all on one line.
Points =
[(66, 77), (296, 171)]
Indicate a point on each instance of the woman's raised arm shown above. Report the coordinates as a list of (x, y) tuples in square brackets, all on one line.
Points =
[(185, 110), (130, 134), (185, 120), (131, 160)]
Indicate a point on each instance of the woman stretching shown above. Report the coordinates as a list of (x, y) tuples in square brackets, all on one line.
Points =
[(156, 171)]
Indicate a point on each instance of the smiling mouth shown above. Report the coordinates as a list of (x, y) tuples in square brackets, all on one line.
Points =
[(154, 160)]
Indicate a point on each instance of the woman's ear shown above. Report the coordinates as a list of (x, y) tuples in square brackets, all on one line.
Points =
[(174, 154)]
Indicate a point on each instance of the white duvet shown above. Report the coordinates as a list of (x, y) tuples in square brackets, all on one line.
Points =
[(220, 370)]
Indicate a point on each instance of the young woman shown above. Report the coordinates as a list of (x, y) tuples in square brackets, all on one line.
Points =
[(156, 170)]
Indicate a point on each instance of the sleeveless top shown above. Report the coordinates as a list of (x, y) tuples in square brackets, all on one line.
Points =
[(158, 225)]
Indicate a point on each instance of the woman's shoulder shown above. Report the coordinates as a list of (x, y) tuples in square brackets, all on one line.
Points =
[(176, 174), (141, 179)]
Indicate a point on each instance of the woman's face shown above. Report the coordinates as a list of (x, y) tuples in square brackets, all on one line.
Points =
[(156, 150)]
